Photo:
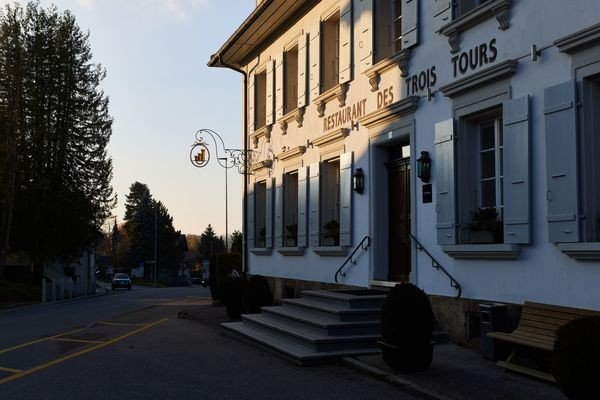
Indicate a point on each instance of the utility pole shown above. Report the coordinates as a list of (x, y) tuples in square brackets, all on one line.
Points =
[(226, 211), (155, 240)]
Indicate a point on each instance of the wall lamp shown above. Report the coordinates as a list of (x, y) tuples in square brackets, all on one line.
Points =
[(424, 167), (358, 181)]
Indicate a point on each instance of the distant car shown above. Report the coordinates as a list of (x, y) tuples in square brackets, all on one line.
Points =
[(121, 281), (199, 281)]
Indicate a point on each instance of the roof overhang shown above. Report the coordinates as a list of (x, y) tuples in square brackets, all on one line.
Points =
[(258, 30)]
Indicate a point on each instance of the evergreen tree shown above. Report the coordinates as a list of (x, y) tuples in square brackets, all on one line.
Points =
[(211, 244), (236, 242), (58, 117)]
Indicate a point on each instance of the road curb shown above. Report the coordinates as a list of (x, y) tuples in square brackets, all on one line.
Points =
[(395, 380)]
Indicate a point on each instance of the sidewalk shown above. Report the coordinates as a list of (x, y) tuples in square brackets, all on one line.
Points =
[(457, 373)]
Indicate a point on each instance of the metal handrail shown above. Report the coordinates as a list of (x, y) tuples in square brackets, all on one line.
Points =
[(435, 264), (362, 245)]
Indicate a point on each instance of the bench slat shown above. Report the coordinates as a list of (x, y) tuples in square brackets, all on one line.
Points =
[(539, 325), (561, 309), (525, 341), (537, 331), (529, 316)]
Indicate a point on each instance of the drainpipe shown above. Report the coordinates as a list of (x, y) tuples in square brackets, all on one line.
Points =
[(245, 258)]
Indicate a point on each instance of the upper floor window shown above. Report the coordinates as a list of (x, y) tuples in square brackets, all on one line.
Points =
[(462, 7), (260, 102), (388, 28), (290, 79), (330, 52)]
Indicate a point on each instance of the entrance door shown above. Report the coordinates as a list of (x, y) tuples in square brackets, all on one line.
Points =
[(399, 219)]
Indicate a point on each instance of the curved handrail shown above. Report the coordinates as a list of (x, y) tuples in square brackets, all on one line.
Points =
[(435, 264), (362, 246)]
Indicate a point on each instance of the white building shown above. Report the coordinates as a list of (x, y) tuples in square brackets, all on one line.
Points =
[(503, 95)]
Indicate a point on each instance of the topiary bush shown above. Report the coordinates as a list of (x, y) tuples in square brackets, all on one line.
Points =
[(576, 358), (407, 323), (231, 291), (257, 294), (221, 267)]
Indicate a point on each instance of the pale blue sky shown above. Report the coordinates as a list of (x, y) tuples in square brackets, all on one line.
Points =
[(161, 92)]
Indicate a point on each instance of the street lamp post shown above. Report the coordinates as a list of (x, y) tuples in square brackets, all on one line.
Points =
[(226, 203)]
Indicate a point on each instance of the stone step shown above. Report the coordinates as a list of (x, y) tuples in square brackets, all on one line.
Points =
[(332, 308), (329, 323), (351, 298), (295, 351), (309, 335)]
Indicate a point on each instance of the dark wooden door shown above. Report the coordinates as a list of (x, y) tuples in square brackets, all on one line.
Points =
[(399, 220)]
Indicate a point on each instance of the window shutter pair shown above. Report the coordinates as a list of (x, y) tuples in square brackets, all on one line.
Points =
[(410, 25), (517, 181), (346, 161)]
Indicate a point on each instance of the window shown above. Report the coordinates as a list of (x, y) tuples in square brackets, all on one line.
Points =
[(462, 7), (330, 52), (330, 203), (290, 79), (290, 209), (260, 119), (388, 28), (260, 214), (482, 170)]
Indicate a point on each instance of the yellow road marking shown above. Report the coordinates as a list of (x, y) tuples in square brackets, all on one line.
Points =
[(39, 340), (12, 370), (77, 340), (118, 323), (77, 354)]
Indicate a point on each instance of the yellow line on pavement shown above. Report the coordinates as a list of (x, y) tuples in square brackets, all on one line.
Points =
[(40, 340), (118, 323), (12, 370), (77, 340), (77, 354)]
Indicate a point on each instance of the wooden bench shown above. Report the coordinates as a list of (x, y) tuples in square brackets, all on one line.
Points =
[(537, 329)]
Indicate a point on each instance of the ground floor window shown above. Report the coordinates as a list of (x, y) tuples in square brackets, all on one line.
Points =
[(330, 203), (260, 214), (290, 209)]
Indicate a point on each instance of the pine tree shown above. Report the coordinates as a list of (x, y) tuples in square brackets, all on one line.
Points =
[(236, 242)]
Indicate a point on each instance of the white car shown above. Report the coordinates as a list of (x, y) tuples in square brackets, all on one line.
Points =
[(121, 281)]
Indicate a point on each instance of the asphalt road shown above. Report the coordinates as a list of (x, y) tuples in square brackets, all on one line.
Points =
[(132, 345)]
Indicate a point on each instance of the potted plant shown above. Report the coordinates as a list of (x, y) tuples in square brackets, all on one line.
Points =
[(331, 236), (262, 238), (407, 324), (291, 237), (485, 227)]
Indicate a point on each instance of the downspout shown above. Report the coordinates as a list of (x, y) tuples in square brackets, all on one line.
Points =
[(245, 258)]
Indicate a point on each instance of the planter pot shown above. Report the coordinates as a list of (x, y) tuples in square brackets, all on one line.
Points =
[(290, 242), (410, 357), (329, 241)]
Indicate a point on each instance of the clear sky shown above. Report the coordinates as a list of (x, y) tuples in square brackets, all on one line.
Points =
[(161, 92)]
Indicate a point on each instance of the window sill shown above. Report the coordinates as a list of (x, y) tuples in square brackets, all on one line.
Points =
[(291, 251), (260, 132), (338, 91), (586, 251), (261, 251), (330, 250), (400, 60), (502, 251), (296, 114), (331, 137), (498, 8), (291, 153)]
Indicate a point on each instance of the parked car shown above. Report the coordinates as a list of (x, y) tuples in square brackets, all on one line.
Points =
[(121, 281), (199, 281)]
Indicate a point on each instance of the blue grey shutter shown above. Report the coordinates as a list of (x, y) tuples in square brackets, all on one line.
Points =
[(442, 13), (561, 162), (410, 22), (269, 214), (279, 91), (302, 67), (302, 199), (365, 44), (444, 182), (346, 199), (516, 161), (315, 60), (279, 212), (250, 210), (315, 199), (251, 97), (270, 106), (345, 64)]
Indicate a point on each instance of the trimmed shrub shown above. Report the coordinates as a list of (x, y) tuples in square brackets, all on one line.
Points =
[(576, 358), (231, 295), (407, 323), (221, 267), (257, 294)]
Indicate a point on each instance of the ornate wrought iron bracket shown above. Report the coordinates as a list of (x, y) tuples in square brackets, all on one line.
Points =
[(226, 157)]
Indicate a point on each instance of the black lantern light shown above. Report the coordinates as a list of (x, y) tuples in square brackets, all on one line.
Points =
[(358, 181), (424, 167)]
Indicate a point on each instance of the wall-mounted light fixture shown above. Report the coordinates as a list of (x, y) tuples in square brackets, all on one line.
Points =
[(358, 181), (424, 167)]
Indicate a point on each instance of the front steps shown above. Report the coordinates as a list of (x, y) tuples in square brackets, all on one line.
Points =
[(319, 327)]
